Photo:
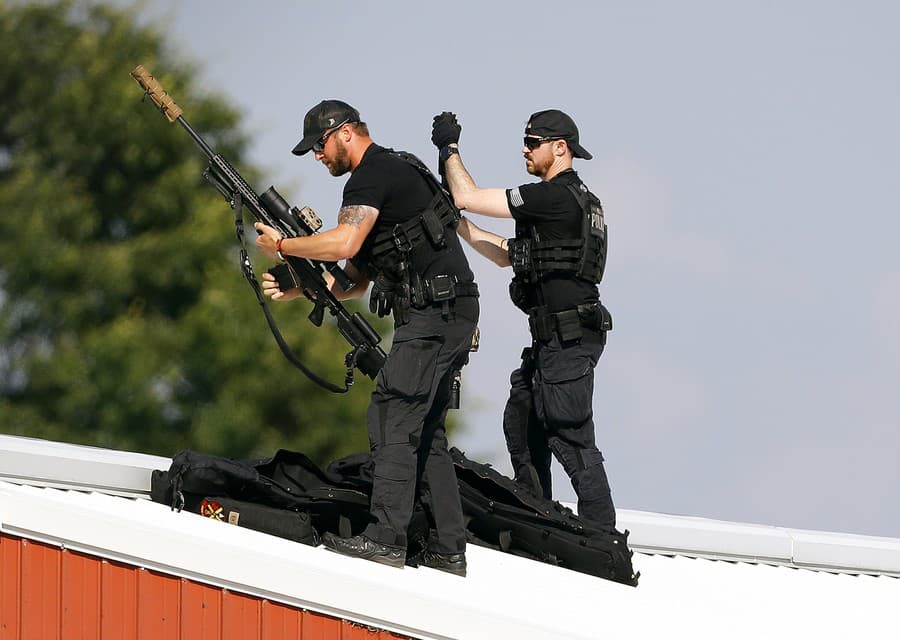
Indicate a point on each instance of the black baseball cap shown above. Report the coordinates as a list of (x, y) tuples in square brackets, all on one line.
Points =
[(326, 115), (553, 123)]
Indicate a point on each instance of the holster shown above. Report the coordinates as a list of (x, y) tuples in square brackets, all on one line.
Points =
[(569, 324), (518, 293)]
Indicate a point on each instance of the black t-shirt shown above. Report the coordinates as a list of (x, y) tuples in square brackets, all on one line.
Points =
[(547, 210), (396, 188)]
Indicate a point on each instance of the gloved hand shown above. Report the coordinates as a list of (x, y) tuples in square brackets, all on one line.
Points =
[(390, 292), (445, 130)]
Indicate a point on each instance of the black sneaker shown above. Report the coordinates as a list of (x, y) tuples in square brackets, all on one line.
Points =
[(361, 547), (454, 563)]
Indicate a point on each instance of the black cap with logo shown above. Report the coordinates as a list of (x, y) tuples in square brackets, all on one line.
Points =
[(326, 115), (553, 123)]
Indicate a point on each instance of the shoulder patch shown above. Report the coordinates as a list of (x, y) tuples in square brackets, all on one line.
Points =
[(515, 198)]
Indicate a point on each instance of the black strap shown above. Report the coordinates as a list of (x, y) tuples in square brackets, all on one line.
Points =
[(441, 213), (403, 237), (466, 289), (505, 540), (250, 276)]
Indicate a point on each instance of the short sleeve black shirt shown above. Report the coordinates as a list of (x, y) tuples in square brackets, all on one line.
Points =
[(547, 210), (396, 188)]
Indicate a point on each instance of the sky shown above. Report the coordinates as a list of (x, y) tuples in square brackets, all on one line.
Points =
[(747, 157)]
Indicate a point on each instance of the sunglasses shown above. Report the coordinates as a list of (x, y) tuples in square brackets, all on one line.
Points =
[(533, 142), (319, 145)]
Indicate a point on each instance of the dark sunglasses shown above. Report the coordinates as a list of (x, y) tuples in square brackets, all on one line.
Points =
[(533, 142), (319, 145)]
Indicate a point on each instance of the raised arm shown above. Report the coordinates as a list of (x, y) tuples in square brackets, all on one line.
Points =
[(467, 195)]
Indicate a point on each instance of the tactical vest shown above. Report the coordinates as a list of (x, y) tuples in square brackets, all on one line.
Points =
[(584, 257), (393, 246)]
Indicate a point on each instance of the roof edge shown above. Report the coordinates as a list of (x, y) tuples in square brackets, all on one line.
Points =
[(44, 463)]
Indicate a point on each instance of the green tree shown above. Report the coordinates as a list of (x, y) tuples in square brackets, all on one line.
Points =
[(124, 320)]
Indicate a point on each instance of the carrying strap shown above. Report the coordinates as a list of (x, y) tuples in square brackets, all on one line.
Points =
[(440, 214), (250, 276), (428, 225)]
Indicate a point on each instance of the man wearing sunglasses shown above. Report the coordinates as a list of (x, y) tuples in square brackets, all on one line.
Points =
[(396, 229), (557, 256)]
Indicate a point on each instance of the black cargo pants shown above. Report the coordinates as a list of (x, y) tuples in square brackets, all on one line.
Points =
[(406, 426), (550, 411)]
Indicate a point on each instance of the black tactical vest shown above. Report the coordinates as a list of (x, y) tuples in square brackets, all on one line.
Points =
[(585, 257), (392, 246)]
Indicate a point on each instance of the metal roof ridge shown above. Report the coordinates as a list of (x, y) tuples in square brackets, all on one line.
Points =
[(47, 463), (699, 537)]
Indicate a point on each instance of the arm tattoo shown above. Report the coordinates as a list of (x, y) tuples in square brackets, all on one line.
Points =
[(354, 214)]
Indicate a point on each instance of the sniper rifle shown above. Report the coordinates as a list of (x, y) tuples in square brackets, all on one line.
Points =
[(271, 208)]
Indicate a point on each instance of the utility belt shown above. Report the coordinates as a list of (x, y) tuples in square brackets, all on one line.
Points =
[(568, 324), (438, 291)]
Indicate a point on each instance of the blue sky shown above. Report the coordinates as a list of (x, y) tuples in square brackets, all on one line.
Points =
[(746, 154)]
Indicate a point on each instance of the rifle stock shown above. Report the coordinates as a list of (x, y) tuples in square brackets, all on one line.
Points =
[(272, 209)]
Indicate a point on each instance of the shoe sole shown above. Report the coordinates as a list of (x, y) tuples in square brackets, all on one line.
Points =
[(457, 572), (397, 564)]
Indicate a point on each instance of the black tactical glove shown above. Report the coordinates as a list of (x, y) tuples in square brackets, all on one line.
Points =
[(445, 130), (390, 292)]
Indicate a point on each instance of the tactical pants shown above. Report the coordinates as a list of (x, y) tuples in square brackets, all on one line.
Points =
[(406, 427), (550, 411)]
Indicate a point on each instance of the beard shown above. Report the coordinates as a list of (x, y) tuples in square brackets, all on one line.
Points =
[(536, 168), (341, 162)]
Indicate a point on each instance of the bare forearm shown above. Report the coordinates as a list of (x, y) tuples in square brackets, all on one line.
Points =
[(489, 245), (467, 195), (358, 290), (327, 246), (340, 243), (458, 178)]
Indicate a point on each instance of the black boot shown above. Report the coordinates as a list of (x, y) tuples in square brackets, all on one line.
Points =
[(361, 547), (527, 476), (454, 563)]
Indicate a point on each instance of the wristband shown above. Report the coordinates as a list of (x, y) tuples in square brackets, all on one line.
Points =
[(446, 152), (278, 249)]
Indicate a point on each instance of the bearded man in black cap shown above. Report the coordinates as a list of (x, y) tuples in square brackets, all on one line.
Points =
[(557, 256), (396, 229)]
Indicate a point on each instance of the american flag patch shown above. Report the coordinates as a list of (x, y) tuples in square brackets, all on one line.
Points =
[(515, 198)]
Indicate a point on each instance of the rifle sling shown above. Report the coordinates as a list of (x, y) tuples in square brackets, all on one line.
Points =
[(250, 276)]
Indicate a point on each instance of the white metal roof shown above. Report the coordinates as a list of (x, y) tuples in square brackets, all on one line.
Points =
[(681, 590)]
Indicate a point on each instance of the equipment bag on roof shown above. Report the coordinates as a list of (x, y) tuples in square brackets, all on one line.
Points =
[(288, 481), (300, 501), (504, 515)]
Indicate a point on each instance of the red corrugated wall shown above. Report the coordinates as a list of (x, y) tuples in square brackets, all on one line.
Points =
[(48, 593)]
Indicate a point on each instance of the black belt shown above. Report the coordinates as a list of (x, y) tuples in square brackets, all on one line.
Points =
[(440, 290), (568, 324)]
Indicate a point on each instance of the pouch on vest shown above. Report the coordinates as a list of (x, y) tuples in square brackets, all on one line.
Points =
[(431, 223)]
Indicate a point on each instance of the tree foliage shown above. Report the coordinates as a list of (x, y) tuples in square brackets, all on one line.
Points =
[(124, 320)]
